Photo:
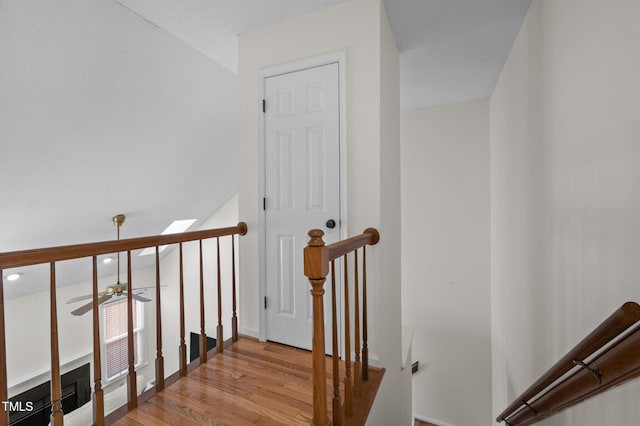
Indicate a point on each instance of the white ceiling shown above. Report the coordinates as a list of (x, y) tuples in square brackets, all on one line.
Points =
[(128, 106), (452, 50), (212, 26)]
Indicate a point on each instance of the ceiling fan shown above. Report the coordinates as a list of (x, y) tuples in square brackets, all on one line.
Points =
[(118, 289)]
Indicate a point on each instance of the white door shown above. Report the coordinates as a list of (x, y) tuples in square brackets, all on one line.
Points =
[(302, 188)]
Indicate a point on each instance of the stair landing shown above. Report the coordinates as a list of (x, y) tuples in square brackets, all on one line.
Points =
[(250, 383)]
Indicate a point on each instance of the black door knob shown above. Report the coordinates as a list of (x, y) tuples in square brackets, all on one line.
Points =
[(331, 224)]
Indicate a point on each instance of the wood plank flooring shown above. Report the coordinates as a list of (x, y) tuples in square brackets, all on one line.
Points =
[(422, 423), (250, 383)]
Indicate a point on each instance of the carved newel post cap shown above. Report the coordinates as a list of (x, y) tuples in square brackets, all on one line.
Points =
[(316, 238)]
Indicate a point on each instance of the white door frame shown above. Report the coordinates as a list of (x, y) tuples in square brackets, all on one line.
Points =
[(339, 57)]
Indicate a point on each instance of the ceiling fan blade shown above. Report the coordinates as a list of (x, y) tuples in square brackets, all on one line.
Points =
[(104, 298), (85, 297), (140, 298), (83, 309), (86, 308), (151, 286)]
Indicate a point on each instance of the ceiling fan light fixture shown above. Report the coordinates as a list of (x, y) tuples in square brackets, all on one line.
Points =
[(114, 291), (118, 220)]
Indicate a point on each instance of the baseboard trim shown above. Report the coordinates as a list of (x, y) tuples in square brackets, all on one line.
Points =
[(374, 361), (248, 332)]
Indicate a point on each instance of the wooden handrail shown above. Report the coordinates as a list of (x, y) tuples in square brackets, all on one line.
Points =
[(610, 368), (370, 236), (319, 259), (22, 258), (56, 254)]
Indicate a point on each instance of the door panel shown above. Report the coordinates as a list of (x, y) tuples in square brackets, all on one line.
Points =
[(302, 187)]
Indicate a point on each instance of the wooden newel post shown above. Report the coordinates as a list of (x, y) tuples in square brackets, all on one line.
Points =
[(316, 268)]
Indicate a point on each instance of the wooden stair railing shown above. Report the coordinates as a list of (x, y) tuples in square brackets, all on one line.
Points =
[(319, 261), (608, 356), (91, 250)]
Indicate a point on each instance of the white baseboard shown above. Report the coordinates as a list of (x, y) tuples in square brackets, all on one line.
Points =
[(374, 361), (248, 332)]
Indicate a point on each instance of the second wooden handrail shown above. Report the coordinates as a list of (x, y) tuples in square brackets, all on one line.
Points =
[(370, 236), (623, 318)]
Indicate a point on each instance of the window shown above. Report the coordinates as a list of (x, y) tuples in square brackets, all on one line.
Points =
[(115, 360)]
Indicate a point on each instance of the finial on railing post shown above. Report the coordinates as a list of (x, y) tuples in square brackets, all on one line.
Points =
[(316, 238), (316, 268)]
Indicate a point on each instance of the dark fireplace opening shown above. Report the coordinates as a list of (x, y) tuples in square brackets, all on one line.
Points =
[(194, 347), (33, 407)]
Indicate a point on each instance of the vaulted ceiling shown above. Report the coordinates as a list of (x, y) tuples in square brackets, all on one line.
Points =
[(128, 106)]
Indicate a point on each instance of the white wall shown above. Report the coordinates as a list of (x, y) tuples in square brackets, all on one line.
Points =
[(445, 259), (393, 404), (28, 344), (357, 26), (394, 397), (565, 181), (28, 334)]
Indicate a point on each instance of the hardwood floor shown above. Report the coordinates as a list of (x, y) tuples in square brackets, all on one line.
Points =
[(249, 383), (422, 423)]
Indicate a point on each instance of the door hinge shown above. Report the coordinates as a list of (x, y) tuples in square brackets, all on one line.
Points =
[(265, 302), (264, 203), (264, 105)]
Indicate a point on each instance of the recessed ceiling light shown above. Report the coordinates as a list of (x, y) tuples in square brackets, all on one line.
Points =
[(14, 277), (176, 227), (107, 260)]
